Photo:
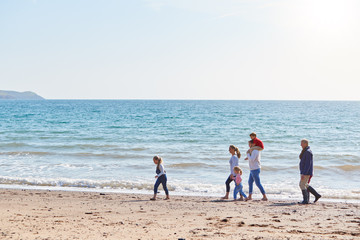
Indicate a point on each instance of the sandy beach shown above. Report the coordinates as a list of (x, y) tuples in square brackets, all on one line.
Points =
[(40, 214)]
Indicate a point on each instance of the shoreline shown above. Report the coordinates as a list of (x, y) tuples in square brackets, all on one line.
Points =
[(142, 192), (48, 214)]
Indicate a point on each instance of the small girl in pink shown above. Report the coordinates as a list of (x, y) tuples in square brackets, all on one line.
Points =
[(238, 184)]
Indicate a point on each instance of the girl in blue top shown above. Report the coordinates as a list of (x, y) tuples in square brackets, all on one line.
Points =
[(234, 161), (160, 177)]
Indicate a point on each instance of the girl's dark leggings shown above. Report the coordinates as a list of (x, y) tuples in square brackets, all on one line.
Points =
[(228, 181), (162, 179)]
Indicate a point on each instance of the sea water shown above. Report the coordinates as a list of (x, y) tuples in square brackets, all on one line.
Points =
[(108, 145)]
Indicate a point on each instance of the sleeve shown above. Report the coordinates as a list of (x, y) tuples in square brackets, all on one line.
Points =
[(162, 172), (234, 162), (253, 156), (302, 166)]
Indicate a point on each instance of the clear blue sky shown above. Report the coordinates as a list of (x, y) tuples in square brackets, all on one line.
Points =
[(181, 49)]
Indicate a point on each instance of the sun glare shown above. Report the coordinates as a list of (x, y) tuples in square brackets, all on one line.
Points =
[(330, 17)]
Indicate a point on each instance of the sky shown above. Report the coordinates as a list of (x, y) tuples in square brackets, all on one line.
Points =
[(181, 49)]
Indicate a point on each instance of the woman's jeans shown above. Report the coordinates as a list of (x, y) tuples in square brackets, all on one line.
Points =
[(254, 176), (239, 188), (162, 179)]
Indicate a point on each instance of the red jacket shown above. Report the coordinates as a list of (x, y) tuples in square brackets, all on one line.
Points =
[(258, 143)]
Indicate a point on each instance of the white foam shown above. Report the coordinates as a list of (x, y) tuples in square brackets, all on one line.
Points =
[(274, 191)]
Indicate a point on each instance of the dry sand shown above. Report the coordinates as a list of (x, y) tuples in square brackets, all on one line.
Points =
[(36, 214)]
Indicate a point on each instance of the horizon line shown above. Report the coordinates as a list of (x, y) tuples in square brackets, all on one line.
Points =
[(185, 99)]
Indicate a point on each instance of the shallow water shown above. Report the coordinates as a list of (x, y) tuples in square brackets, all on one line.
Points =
[(91, 144)]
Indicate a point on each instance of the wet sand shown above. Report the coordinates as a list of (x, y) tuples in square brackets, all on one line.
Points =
[(38, 214)]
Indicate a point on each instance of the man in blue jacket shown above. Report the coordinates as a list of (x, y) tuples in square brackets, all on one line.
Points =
[(306, 171)]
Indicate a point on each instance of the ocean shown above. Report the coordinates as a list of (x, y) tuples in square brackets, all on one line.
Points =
[(108, 145)]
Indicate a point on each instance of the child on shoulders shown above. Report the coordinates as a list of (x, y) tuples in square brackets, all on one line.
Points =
[(259, 145)]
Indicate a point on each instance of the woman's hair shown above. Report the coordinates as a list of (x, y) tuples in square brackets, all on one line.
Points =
[(238, 169), (159, 159), (236, 150)]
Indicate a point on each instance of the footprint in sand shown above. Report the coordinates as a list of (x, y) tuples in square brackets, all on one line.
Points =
[(259, 225), (240, 224)]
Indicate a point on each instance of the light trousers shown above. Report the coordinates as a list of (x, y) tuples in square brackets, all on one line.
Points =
[(304, 181)]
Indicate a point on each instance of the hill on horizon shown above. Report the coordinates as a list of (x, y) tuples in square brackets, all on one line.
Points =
[(13, 95)]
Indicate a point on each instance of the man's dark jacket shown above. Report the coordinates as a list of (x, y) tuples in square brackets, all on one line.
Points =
[(306, 162)]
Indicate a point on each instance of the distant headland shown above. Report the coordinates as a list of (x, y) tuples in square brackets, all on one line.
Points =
[(13, 95)]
